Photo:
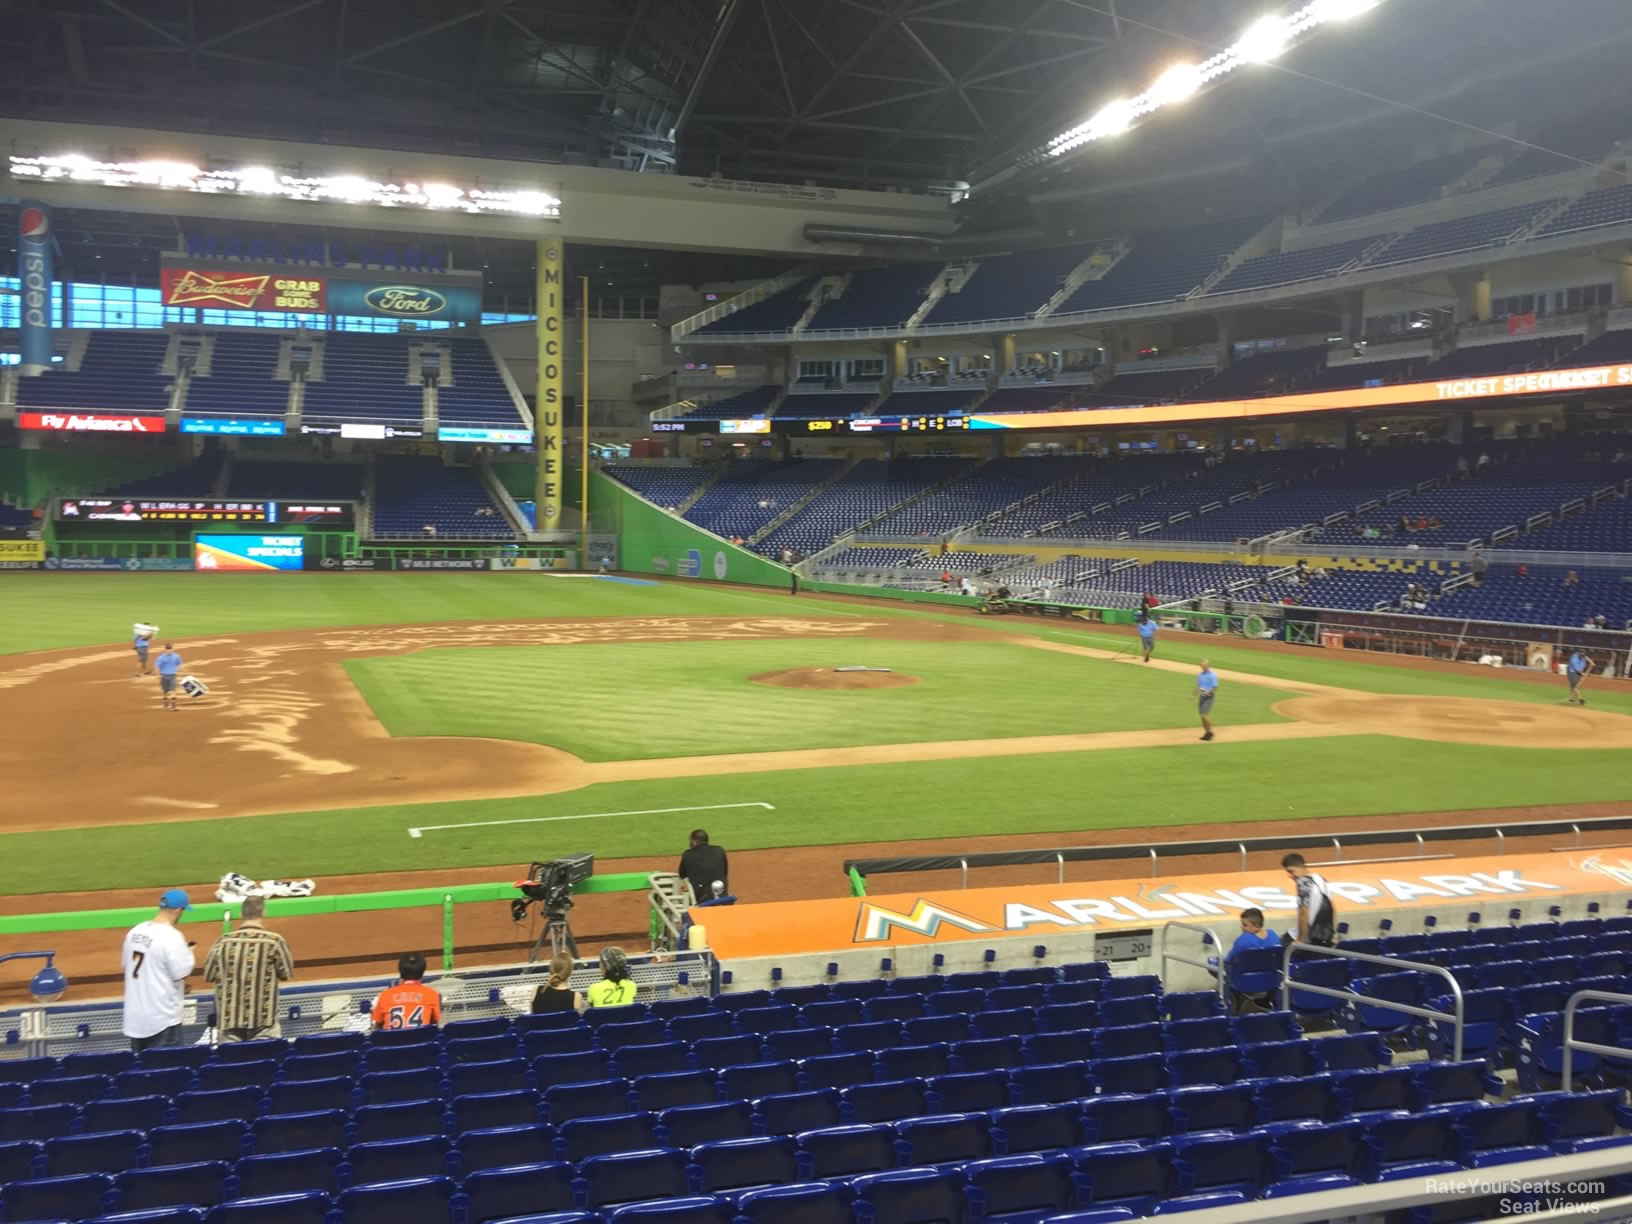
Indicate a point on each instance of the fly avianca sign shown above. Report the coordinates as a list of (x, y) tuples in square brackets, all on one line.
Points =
[(89, 422), (1449, 887)]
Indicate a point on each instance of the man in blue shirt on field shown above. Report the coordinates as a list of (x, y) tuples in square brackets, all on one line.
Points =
[(1579, 667), (1147, 634), (139, 645), (1206, 687), (169, 669)]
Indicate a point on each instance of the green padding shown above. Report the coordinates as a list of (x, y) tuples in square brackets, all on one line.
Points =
[(298, 907), (653, 541), (858, 883)]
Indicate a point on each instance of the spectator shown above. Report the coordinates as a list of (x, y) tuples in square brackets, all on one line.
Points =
[(1523, 571), (1483, 464), (702, 864), (1253, 935), (245, 967), (1316, 917), (1478, 565), (428, 531), (557, 994), (1600, 621), (946, 578), (965, 587), (410, 1003), (615, 989), (1572, 579), (1462, 467), (156, 959)]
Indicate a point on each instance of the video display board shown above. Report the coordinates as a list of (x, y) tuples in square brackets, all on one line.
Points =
[(249, 552), (148, 510)]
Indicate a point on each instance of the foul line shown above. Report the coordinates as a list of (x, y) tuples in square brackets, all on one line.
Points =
[(480, 824)]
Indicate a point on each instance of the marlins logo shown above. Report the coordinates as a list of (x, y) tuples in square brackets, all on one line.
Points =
[(874, 923)]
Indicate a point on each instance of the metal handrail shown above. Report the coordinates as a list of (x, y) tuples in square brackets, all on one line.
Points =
[(1425, 1013), (1571, 1044), (1208, 937)]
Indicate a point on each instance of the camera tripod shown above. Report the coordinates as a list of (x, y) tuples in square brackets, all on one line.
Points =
[(557, 932)]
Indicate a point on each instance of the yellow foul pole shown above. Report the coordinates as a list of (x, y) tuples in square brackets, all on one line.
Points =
[(583, 407), (547, 408)]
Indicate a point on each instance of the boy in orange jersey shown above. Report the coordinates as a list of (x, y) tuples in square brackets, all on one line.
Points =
[(410, 1003)]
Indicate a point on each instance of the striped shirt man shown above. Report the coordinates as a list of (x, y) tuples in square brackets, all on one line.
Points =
[(245, 966)]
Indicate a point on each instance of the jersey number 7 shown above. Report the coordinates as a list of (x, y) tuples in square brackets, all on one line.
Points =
[(136, 959)]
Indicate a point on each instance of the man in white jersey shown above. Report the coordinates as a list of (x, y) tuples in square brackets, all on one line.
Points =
[(157, 959)]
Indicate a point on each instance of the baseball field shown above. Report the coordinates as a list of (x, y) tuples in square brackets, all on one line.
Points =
[(364, 724)]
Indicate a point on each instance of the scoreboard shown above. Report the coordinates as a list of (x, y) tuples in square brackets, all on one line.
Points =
[(148, 510), (824, 425)]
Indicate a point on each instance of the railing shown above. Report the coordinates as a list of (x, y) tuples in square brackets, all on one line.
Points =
[(1163, 955), (1409, 1009), (1587, 1047)]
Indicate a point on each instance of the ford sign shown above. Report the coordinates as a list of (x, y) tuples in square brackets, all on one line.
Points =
[(407, 300)]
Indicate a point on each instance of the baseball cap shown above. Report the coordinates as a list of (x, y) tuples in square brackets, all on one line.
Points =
[(175, 899)]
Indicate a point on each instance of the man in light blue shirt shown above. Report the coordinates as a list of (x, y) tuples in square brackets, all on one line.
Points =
[(168, 665), (1147, 634), (1577, 670), (1206, 687), (140, 644)]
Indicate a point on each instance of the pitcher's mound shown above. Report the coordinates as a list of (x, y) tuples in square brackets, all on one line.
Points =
[(827, 678)]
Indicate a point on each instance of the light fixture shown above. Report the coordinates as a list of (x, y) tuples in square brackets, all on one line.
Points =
[(1264, 40), (263, 181)]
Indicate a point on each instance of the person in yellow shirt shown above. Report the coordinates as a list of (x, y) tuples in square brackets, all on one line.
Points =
[(615, 989)]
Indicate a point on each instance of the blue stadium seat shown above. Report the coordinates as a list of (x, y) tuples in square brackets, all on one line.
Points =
[(1386, 1088), (278, 1173), (1057, 1047), (1125, 1116), (750, 1081), (1018, 1187), (156, 1215), (1317, 1184), (108, 1152), (78, 1197), (1205, 1201), (836, 1070), (105, 1062), (507, 1075), (703, 1209), (187, 1144), (1332, 974), (845, 1151), (798, 1043), (1300, 1149), (1482, 1132), (488, 1026), (19, 1159), (327, 1043), (412, 1057), (396, 1159), (1353, 1052), (1394, 1140), (943, 1139), (789, 1113), (739, 1164), (1231, 1107), (921, 1061), (310, 1096), (1016, 1022), (389, 1087), (628, 1013), (869, 1035), (720, 1052), (1135, 985), (43, 1122), (499, 1193), (585, 1137), (866, 988), (1313, 1098), (505, 1145), (981, 980), (69, 1090), (669, 1009), (1211, 1163), (576, 1067), (687, 1126), (12, 1094), (166, 1081), (338, 1064), (481, 1049), (1442, 1083), (919, 984), (1131, 1175), (1036, 1128), (310, 1208), (1540, 1041), (424, 1200), (705, 1024), (1192, 1005), (1266, 1026), (1219, 1066), (542, 1043), (396, 1039), (1016, 997), (489, 1109), (1484, 1013), (762, 1020), (1254, 971), (1567, 1117), (1202, 1034), (1274, 1059), (1068, 1017), (987, 1054), (169, 1058), (1138, 1073), (666, 1089), (1046, 1083), (613, 1037), (201, 1184), (1119, 1012), (969, 1091), (954, 1002), (885, 1007), (272, 1049), (807, 1203), (399, 1120), (907, 1196), (296, 1132), (625, 1177)]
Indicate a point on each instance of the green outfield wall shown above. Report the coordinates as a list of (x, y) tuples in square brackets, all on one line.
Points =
[(653, 541)]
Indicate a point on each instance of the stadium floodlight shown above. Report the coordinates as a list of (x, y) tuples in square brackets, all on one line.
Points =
[(1265, 39), (264, 181)]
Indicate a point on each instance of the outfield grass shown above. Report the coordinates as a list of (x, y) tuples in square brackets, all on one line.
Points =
[(1072, 795), (608, 702)]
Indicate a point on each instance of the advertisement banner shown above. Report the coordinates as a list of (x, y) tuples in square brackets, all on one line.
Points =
[(442, 563), (364, 432), (231, 289), (346, 565), (35, 243), (217, 425), (526, 563), (118, 565), (136, 510), (89, 422), (249, 552), (466, 433), (21, 565), (22, 550), (551, 402), (395, 300)]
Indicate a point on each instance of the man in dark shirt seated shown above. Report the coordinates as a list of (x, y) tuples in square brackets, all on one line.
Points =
[(702, 864)]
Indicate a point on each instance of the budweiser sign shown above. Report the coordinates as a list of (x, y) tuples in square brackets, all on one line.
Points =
[(89, 422), (235, 291)]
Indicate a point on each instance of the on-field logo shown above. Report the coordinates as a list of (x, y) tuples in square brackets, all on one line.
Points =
[(405, 300)]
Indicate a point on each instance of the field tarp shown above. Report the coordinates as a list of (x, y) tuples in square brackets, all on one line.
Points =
[(653, 541)]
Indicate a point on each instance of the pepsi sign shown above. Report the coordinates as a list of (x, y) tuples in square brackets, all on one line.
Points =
[(34, 266)]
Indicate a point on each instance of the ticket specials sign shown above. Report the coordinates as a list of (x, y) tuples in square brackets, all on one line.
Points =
[(793, 927), (234, 289)]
